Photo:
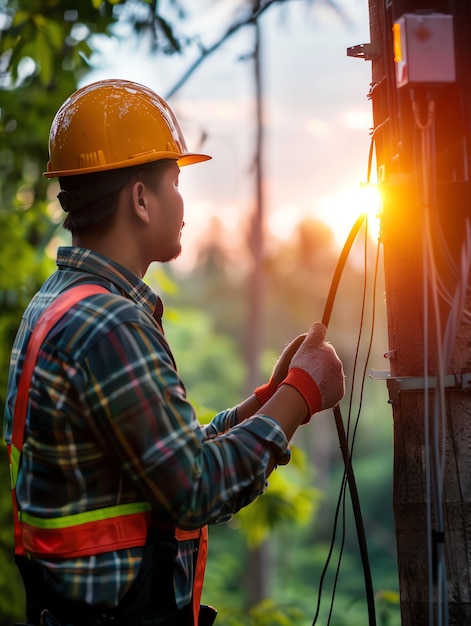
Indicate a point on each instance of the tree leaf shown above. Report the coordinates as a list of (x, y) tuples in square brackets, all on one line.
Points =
[(45, 58)]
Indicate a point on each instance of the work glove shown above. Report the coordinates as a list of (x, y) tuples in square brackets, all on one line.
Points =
[(280, 371), (316, 372)]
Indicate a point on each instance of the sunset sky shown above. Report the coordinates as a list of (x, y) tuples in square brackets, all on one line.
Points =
[(317, 115)]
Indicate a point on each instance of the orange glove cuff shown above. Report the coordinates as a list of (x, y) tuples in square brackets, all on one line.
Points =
[(266, 391), (307, 387)]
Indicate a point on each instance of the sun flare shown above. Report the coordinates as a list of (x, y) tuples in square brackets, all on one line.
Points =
[(341, 209)]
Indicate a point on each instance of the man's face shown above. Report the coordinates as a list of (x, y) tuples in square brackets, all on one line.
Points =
[(168, 211)]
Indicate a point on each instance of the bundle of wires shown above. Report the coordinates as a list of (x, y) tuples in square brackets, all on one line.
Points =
[(436, 292)]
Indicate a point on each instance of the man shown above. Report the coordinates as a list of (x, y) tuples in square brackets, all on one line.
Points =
[(109, 462)]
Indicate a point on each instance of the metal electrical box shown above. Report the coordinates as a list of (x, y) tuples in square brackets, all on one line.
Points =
[(424, 49)]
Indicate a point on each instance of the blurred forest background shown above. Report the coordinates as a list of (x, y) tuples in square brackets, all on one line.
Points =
[(294, 554)]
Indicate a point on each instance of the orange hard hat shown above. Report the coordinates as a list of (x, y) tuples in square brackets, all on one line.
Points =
[(113, 124)]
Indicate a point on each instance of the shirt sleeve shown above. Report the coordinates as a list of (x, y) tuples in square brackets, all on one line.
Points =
[(138, 410), (221, 423)]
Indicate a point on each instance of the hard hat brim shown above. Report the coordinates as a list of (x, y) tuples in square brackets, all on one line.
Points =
[(182, 159)]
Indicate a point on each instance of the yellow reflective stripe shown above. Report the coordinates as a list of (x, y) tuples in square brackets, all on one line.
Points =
[(14, 465), (85, 517)]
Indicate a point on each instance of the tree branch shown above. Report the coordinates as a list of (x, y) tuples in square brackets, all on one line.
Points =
[(233, 28)]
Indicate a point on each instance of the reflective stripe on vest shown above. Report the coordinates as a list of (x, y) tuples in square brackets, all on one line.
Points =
[(91, 532)]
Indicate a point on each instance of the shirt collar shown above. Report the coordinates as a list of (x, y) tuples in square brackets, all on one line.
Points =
[(129, 284)]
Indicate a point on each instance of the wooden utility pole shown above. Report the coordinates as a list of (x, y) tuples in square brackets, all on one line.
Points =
[(422, 136)]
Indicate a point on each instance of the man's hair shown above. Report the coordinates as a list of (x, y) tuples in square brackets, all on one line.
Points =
[(90, 200), (94, 216)]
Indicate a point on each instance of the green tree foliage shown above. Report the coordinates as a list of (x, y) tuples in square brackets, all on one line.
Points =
[(201, 348)]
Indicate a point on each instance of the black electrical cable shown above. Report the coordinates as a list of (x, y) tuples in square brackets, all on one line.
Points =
[(350, 477), (351, 438)]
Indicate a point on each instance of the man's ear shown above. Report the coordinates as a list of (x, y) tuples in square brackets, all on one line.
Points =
[(140, 201)]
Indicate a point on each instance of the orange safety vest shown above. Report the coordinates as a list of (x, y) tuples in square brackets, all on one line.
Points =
[(92, 532)]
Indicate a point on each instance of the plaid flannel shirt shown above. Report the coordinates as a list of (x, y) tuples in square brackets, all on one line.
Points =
[(109, 423)]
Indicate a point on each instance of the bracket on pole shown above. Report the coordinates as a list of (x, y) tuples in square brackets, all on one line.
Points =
[(417, 383), (366, 51)]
